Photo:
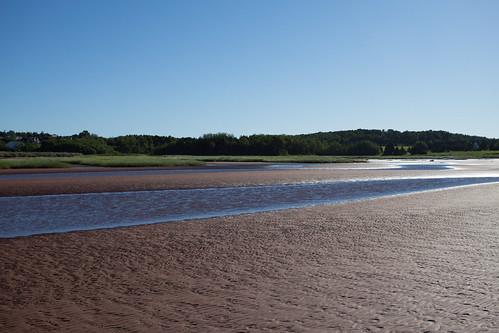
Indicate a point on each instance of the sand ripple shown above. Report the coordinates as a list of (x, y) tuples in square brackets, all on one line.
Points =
[(422, 263)]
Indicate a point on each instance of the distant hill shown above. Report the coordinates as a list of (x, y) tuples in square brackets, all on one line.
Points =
[(351, 142), (437, 141)]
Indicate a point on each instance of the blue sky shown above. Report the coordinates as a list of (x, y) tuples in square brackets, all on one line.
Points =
[(191, 67)]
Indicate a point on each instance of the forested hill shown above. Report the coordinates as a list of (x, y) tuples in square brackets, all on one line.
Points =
[(354, 142)]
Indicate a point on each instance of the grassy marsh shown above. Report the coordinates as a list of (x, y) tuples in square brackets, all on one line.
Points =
[(65, 161), (96, 160)]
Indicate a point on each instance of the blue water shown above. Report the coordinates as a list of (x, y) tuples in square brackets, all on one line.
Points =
[(423, 167), (210, 168), (393, 166), (22, 216)]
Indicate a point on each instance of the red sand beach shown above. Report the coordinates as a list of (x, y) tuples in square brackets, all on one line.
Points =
[(416, 263), (93, 180)]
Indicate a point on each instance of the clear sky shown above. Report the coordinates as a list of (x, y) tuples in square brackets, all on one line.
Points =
[(185, 68)]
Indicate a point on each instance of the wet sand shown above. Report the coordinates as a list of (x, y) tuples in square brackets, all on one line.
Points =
[(126, 182), (98, 179), (423, 262)]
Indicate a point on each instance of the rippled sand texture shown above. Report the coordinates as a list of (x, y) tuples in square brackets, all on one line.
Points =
[(425, 262)]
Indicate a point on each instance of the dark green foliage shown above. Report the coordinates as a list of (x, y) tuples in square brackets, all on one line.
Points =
[(494, 145), (138, 144), (84, 145), (399, 151), (84, 134), (354, 142), (364, 148), (389, 149), (392, 150), (29, 146), (419, 148)]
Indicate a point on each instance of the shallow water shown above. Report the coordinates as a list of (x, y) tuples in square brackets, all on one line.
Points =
[(370, 165), (215, 168), (412, 166), (22, 216)]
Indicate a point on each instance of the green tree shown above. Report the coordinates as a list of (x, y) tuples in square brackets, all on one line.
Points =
[(390, 149), (419, 148), (363, 147)]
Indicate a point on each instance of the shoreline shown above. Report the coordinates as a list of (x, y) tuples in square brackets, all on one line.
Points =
[(119, 180), (89, 168), (245, 213), (385, 264)]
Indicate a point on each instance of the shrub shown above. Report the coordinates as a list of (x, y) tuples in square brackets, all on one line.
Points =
[(419, 148), (364, 147)]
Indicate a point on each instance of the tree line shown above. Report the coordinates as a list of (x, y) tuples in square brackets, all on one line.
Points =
[(354, 142)]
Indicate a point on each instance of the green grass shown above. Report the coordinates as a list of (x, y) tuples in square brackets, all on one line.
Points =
[(280, 159), (8, 154), (188, 160), (132, 161), (32, 162), (450, 155), (96, 160), (158, 161), (468, 154)]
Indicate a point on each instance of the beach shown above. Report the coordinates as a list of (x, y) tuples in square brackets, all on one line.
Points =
[(415, 263), (249, 167), (94, 180)]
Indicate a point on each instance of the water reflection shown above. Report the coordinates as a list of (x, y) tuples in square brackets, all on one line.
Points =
[(21, 216)]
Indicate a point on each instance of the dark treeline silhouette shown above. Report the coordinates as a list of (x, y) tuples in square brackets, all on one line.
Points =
[(354, 142)]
